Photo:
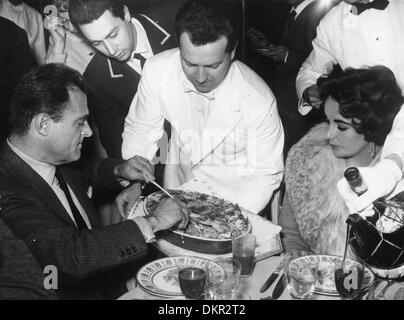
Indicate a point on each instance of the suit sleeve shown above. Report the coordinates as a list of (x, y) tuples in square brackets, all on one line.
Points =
[(144, 122), (109, 118), (264, 158), (320, 60), (290, 235), (78, 255), (297, 57)]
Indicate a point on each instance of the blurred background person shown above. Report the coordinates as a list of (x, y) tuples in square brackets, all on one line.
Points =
[(15, 60), (294, 47), (31, 21)]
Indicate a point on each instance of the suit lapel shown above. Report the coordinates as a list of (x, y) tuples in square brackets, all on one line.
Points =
[(28, 177), (159, 38), (223, 118)]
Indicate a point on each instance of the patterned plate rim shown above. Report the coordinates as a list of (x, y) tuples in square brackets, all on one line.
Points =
[(368, 276), (152, 274)]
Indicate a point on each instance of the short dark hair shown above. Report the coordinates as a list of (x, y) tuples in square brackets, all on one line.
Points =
[(44, 89), (370, 97), (86, 11), (205, 22)]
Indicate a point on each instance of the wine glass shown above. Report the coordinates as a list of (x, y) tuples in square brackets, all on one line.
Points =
[(348, 277)]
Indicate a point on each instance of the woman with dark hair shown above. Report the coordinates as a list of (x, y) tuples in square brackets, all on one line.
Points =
[(360, 106)]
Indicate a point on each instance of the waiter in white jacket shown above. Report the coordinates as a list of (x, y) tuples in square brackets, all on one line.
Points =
[(353, 34), (226, 131)]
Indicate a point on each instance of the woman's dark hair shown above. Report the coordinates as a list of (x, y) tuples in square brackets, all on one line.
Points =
[(205, 22), (44, 89), (86, 11), (370, 97)]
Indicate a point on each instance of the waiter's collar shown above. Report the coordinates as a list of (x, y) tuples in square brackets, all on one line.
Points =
[(141, 38), (189, 87)]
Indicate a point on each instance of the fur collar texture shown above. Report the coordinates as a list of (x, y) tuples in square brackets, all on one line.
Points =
[(311, 175)]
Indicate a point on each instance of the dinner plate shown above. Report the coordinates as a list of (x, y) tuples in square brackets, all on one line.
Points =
[(325, 284), (160, 277)]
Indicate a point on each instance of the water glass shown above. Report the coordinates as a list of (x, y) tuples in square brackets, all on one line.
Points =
[(302, 279), (225, 288), (243, 249)]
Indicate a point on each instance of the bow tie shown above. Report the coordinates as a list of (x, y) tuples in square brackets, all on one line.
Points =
[(376, 4)]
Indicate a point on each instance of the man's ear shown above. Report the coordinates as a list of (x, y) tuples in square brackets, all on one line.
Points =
[(42, 123), (127, 15), (233, 52)]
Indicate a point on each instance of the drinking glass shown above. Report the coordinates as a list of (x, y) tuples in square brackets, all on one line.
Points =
[(348, 278), (302, 279), (243, 249), (225, 288), (192, 281)]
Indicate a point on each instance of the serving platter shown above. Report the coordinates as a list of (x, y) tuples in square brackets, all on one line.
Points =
[(325, 283), (160, 277), (200, 243)]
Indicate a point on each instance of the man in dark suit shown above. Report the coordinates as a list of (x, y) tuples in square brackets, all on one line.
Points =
[(294, 47), (45, 192), (123, 43)]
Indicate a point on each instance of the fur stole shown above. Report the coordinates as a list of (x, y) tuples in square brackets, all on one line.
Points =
[(311, 175)]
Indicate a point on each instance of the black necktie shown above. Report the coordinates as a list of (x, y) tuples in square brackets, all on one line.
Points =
[(76, 214), (376, 4), (290, 20), (142, 59)]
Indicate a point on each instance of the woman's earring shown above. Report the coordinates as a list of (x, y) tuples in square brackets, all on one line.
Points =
[(372, 150)]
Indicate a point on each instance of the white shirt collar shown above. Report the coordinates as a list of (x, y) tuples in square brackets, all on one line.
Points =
[(189, 87), (45, 170), (142, 43), (300, 7)]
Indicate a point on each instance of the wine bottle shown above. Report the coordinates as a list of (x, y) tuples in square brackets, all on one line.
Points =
[(354, 178)]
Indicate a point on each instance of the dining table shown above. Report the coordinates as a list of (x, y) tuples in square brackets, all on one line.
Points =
[(250, 285)]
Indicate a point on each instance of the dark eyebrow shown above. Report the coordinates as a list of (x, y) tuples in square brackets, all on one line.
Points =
[(209, 65)]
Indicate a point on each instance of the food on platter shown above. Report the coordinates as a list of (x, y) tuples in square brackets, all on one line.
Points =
[(210, 217)]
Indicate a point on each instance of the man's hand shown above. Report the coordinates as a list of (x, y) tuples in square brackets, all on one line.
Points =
[(276, 53), (311, 95), (169, 213), (136, 168), (380, 181), (127, 199)]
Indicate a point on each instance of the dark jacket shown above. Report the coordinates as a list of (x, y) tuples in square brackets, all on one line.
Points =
[(110, 96), (21, 276), (15, 60), (298, 40), (91, 264)]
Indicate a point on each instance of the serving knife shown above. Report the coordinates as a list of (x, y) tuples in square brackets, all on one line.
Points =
[(280, 287), (162, 189), (272, 277)]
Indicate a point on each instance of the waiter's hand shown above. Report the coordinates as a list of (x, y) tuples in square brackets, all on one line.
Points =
[(169, 213), (380, 181), (127, 199), (136, 168), (276, 53), (311, 95)]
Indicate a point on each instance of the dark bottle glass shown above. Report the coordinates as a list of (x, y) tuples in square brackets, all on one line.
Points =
[(354, 179)]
